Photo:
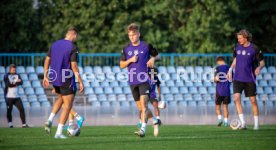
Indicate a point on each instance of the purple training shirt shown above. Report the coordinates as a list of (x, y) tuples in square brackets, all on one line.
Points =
[(138, 71), (222, 86), (62, 53), (247, 59)]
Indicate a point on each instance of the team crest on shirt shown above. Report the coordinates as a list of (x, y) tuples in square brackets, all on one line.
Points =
[(238, 52), (136, 52), (129, 53), (13, 78), (243, 52)]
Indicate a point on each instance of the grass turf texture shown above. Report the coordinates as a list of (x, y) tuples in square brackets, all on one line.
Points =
[(122, 137)]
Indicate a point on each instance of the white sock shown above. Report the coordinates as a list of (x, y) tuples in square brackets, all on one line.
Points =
[(78, 117), (256, 121), (71, 122), (51, 117), (59, 129), (242, 119), (219, 117), (143, 127), (157, 117), (225, 120), (10, 124)]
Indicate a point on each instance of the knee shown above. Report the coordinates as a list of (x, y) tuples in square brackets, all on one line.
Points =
[(139, 107), (22, 110), (67, 106), (237, 97), (254, 102), (144, 110), (155, 105), (9, 109), (237, 100)]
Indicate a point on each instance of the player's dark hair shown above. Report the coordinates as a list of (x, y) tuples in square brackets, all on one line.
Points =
[(73, 29), (133, 27), (220, 58), (246, 34)]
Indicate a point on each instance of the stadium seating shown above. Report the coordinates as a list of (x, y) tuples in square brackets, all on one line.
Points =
[(39, 70), (117, 93), (2, 70), (33, 77), (24, 77), (271, 69), (30, 69)]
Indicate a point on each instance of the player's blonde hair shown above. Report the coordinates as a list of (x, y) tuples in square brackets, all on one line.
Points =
[(133, 27), (246, 34)]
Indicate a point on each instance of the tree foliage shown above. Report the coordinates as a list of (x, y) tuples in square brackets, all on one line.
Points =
[(194, 26)]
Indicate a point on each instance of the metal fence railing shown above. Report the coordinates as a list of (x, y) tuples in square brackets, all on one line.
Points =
[(112, 59)]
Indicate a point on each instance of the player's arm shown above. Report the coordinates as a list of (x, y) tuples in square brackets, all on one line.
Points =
[(77, 75), (46, 67), (233, 65), (19, 82), (262, 64), (6, 88), (75, 68), (159, 89), (216, 78), (7, 82), (153, 53), (123, 62), (260, 58), (47, 62)]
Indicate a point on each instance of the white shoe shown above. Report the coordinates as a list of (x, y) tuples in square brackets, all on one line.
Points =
[(154, 121), (155, 130), (60, 136), (256, 128)]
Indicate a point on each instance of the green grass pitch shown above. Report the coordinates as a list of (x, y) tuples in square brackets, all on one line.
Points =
[(121, 137)]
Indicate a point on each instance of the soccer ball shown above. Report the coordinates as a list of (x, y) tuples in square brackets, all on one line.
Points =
[(235, 124), (73, 130), (162, 104)]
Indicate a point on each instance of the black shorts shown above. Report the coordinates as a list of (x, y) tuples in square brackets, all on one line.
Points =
[(65, 90), (249, 88), (139, 89), (223, 99), (12, 101)]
